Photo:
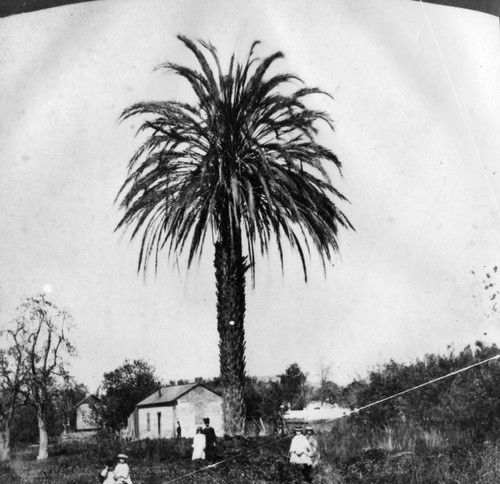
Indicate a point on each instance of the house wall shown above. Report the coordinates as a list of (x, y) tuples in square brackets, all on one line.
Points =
[(193, 407), (190, 411), (85, 418), (151, 431)]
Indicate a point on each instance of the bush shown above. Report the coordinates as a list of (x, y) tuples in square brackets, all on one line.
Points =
[(469, 401)]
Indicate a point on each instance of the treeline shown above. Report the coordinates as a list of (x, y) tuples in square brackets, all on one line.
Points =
[(38, 396), (466, 404)]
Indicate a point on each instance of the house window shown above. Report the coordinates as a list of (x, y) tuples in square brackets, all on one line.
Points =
[(148, 422)]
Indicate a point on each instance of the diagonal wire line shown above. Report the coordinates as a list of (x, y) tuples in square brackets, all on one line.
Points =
[(236, 456), (347, 414), (460, 108), (461, 370)]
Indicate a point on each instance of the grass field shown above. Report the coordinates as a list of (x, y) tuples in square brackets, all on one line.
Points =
[(399, 456)]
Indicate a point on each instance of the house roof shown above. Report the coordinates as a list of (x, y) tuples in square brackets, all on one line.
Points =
[(87, 399), (168, 395)]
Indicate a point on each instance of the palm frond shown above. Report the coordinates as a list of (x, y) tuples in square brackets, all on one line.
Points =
[(243, 159)]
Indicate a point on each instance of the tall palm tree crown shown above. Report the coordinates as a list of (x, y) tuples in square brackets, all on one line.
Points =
[(242, 165)]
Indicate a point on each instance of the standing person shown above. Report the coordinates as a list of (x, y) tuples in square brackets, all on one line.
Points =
[(178, 430), (210, 438), (122, 470), (300, 454), (199, 444), (313, 443)]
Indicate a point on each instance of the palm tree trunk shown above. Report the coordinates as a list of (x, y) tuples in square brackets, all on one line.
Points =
[(230, 270)]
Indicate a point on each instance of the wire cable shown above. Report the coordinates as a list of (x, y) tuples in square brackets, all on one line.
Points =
[(460, 108)]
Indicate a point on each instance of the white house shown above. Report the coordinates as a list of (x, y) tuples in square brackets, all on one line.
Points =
[(157, 415)]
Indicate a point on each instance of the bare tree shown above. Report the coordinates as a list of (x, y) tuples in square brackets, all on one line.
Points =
[(324, 371), (328, 391), (12, 384), (45, 348)]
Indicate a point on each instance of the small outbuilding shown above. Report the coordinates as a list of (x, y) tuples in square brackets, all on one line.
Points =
[(87, 419), (157, 415)]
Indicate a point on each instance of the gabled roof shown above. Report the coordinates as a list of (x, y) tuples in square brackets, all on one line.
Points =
[(87, 399), (169, 395)]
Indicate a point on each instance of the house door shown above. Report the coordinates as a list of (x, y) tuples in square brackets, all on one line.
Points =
[(159, 423)]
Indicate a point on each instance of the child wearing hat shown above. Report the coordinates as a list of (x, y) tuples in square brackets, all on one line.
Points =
[(122, 471), (300, 453), (300, 450), (313, 443)]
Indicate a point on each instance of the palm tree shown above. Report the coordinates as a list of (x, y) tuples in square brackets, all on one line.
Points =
[(241, 164)]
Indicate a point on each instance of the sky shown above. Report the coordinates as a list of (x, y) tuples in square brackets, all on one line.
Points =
[(416, 112)]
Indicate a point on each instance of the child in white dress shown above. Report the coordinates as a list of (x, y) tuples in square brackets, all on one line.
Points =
[(199, 444), (300, 450), (122, 471)]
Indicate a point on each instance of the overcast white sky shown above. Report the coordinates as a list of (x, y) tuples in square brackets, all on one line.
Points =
[(417, 129)]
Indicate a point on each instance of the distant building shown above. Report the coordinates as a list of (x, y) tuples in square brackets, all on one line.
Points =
[(318, 414), (157, 416), (86, 418)]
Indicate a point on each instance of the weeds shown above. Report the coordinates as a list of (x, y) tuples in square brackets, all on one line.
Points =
[(351, 454)]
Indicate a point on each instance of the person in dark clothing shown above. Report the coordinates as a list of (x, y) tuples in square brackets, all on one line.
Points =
[(210, 437), (178, 430)]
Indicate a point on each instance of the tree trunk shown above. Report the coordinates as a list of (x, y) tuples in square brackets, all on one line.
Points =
[(5, 443), (43, 449), (230, 269)]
